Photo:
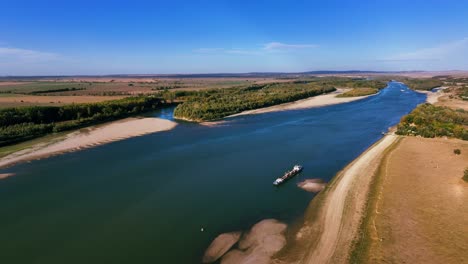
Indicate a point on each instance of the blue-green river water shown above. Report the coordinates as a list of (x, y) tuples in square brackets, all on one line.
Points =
[(144, 200)]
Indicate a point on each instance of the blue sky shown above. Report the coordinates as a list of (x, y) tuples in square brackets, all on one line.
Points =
[(110, 37)]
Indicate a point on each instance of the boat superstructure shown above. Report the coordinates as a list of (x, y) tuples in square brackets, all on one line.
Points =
[(289, 174)]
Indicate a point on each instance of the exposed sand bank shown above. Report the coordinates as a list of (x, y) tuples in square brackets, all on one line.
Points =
[(327, 237), (257, 246), (316, 101), (6, 175), (90, 137), (432, 97), (312, 185), (220, 245), (420, 212)]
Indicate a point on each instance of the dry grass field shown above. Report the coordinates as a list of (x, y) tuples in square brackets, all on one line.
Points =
[(19, 100), (59, 91), (420, 211)]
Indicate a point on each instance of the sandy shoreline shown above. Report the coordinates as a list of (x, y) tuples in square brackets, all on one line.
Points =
[(338, 228), (91, 137), (327, 237), (432, 97), (311, 102)]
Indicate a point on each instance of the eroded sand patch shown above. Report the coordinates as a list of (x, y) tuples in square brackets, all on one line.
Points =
[(6, 175), (220, 245), (312, 185), (258, 245)]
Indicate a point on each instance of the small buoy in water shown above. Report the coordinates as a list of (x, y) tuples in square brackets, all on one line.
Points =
[(202, 229)]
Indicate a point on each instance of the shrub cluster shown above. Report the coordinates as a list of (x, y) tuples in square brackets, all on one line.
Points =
[(431, 121)]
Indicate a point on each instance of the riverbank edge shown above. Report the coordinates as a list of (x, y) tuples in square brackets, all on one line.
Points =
[(432, 97), (298, 250), (360, 245), (294, 105), (112, 131), (315, 211)]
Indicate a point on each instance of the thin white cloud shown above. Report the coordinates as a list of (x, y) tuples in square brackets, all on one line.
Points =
[(227, 51), (26, 54), (274, 46), (266, 48), (453, 49), (208, 50), (243, 51)]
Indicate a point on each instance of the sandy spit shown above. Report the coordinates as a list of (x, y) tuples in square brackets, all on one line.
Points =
[(316, 101), (432, 97), (91, 137)]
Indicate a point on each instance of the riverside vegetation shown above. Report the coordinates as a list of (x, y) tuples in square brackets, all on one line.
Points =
[(435, 121), (20, 124), (215, 104)]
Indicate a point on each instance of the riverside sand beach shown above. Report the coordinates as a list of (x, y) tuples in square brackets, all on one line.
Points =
[(315, 101), (90, 137)]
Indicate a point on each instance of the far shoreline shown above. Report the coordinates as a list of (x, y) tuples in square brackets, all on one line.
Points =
[(307, 103), (311, 102)]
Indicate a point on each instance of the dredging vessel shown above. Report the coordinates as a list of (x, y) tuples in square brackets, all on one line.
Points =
[(289, 174)]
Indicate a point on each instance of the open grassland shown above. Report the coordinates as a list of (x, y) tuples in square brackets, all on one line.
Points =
[(418, 211), (20, 100), (123, 86)]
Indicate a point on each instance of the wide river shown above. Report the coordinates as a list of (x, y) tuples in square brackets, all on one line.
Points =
[(145, 199)]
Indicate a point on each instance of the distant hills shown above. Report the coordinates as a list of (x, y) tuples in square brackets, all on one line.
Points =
[(246, 75)]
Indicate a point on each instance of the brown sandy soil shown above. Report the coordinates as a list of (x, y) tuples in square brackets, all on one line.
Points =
[(327, 233), (421, 211), (90, 137), (28, 100), (454, 102)]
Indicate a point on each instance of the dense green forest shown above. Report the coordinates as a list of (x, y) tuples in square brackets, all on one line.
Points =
[(215, 104), (435, 121), (219, 103), (19, 124)]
